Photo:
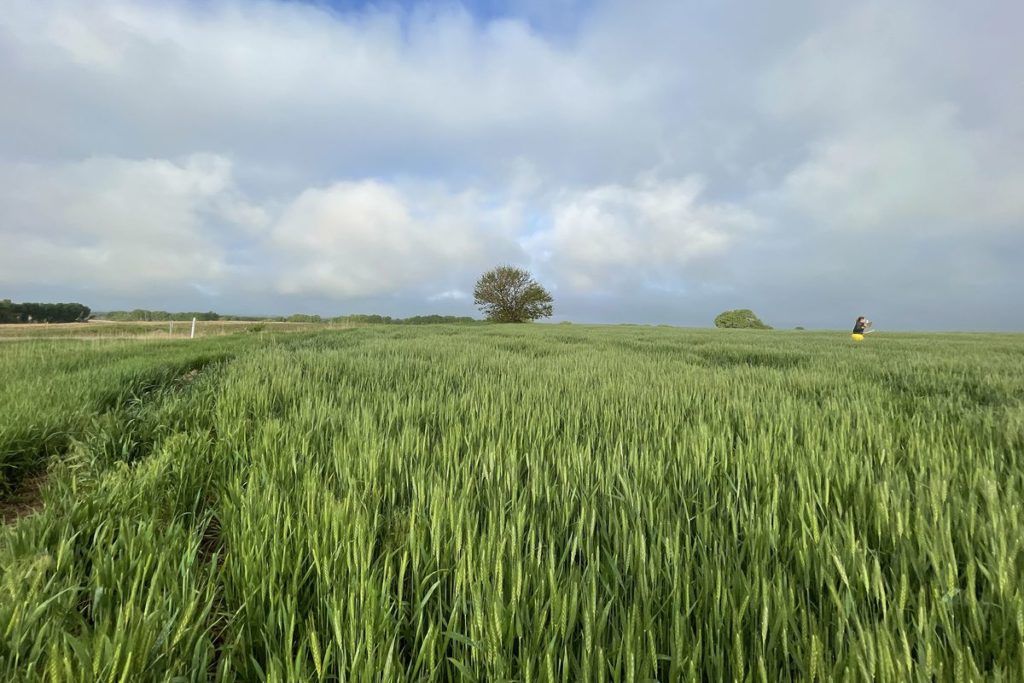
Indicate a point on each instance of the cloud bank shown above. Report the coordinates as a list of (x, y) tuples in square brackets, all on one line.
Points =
[(650, 162)]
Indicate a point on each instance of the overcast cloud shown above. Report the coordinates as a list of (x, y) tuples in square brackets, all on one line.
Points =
[(649, 161)]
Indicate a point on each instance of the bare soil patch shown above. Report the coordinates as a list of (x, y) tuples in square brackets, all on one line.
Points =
[(26, 499)]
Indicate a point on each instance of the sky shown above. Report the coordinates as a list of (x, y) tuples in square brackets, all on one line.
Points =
[(647, 162)]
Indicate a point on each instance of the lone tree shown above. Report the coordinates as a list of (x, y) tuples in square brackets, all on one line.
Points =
[(507, 294), (740, 319)]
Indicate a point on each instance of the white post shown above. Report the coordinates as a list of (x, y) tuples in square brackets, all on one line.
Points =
[(170, 330), (193, 329)]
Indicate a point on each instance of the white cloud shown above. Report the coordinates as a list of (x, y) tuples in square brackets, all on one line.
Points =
[(117, 224), (121, 225), (909, 127), (355, 239), (449, 295), (302, 87), (604, 235), (926, 176)]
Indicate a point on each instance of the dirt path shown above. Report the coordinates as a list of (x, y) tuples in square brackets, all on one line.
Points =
[(26, 499)]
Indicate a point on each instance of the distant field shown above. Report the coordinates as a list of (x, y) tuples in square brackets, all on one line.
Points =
[(154, 330), (529, 503)]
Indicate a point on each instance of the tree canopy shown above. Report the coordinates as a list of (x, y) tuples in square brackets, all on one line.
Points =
[(507, 294), (148, 315), (741, 319), (42, 313)]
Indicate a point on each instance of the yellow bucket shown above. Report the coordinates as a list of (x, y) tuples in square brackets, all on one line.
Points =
[(857, 337)]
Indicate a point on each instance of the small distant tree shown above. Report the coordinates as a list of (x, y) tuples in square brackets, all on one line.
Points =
[(8, 313), (507, 294), (740, 319)]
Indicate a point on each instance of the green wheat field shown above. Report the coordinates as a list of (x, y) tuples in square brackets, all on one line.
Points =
[(513, 503)]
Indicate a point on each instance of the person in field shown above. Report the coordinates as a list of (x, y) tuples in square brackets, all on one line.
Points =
[(860, 328)]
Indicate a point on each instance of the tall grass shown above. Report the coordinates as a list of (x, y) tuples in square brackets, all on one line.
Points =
[(539, 504), (52, 391)]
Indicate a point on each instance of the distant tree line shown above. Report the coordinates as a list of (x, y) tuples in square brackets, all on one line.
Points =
[(373, 319), (11, 312), (414, 320), (141, 314), (147, 315)]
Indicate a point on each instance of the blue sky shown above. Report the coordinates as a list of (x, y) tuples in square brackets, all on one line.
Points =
[(652, 162), (549, 16)]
